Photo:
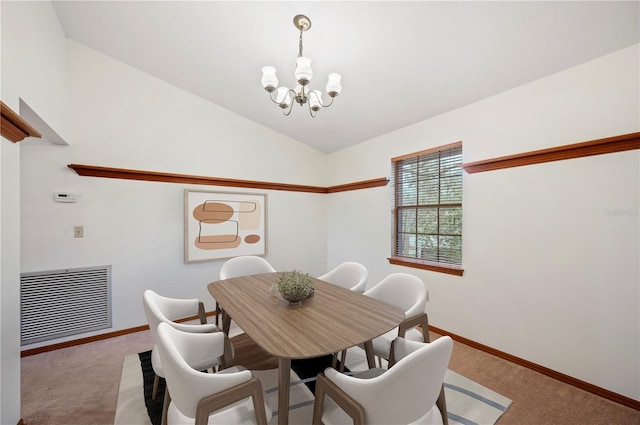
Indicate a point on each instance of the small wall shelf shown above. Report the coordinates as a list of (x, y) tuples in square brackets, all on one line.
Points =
[(13, 127)]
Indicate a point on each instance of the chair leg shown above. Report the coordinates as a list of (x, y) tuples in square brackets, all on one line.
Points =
[(165, 406), (368, 349), (442, 405), (227, 357), (343, 360), (217, 313), (156, 381), (334, 361), (202, 314), (318, 404), (226, 323), (327, 388)]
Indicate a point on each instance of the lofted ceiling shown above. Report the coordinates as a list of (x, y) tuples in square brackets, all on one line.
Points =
[(401, 62)]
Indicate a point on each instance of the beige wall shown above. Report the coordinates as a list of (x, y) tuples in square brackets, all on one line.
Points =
[(125, 118), (550, 251)]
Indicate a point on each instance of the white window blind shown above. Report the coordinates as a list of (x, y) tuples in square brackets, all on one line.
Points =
[(427, 205)]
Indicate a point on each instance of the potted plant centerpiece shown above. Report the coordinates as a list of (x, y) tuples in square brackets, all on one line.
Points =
[(295, 286)]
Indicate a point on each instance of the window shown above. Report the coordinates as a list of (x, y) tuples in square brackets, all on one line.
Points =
[(427, 209)]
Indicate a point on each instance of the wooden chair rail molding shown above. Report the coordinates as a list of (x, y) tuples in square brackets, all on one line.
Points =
[(13, 127), (122, 173), (620, 143)]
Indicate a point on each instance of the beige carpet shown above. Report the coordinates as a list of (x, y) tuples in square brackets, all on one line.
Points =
[(79, 386)]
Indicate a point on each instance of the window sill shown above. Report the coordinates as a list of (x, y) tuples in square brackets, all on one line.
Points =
[(427, 265)]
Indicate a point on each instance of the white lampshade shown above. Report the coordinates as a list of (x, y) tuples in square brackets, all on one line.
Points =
[(269, 79), (283, 98), (315, 100), (303, 70), (333, 86)]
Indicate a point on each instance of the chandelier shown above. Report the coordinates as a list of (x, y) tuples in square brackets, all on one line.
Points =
[(302, 94)]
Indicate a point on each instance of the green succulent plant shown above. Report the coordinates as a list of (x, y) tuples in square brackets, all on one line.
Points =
[(294, 286)]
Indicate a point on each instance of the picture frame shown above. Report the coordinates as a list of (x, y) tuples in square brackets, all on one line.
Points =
[(223, 225)]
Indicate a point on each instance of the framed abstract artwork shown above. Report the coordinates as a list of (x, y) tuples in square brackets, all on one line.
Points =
[(223, 225)]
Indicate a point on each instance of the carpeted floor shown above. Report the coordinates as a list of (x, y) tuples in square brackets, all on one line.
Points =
[(79, 386)]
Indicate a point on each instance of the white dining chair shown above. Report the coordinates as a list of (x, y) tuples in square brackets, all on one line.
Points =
[(241, 266), (159, 309), (349, 275), (408, 293), (406, 393), (230, 396)]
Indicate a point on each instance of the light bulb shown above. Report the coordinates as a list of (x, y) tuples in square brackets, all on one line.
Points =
[(303, 70), (333, 86), (269, 79), (315, 100), (283, 98)]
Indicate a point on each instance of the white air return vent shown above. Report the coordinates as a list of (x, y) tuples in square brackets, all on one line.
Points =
[(59, 303)]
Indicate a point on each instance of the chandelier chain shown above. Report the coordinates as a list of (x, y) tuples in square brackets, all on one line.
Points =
[(300, 45)]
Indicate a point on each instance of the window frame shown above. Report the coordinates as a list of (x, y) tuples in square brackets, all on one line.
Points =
[(414, 262)]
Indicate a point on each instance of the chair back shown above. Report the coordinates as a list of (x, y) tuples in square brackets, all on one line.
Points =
[(349, 275), (401, 290), (243, 266), (408, 391), (187, 385), (158, 309)]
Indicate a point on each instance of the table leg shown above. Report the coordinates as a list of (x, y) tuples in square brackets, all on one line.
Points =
[(284, 380)]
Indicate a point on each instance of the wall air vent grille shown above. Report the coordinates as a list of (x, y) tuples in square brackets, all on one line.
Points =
[(60, 303)]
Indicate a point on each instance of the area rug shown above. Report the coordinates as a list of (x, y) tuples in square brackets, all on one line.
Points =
[(468, 402)]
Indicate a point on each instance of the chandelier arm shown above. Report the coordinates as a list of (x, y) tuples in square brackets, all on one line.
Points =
[(271, 94), (287, 111), (328, 104), (320, 99)]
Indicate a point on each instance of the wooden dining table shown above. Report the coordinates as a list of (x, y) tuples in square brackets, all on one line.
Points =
[(332, 319)]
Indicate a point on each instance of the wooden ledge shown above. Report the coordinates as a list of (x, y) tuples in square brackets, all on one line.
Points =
[(13, 127), (621, 143), (426, 265), (127, 174), (365, 184)]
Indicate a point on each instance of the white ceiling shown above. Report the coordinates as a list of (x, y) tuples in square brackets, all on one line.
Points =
[(401, 62)]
